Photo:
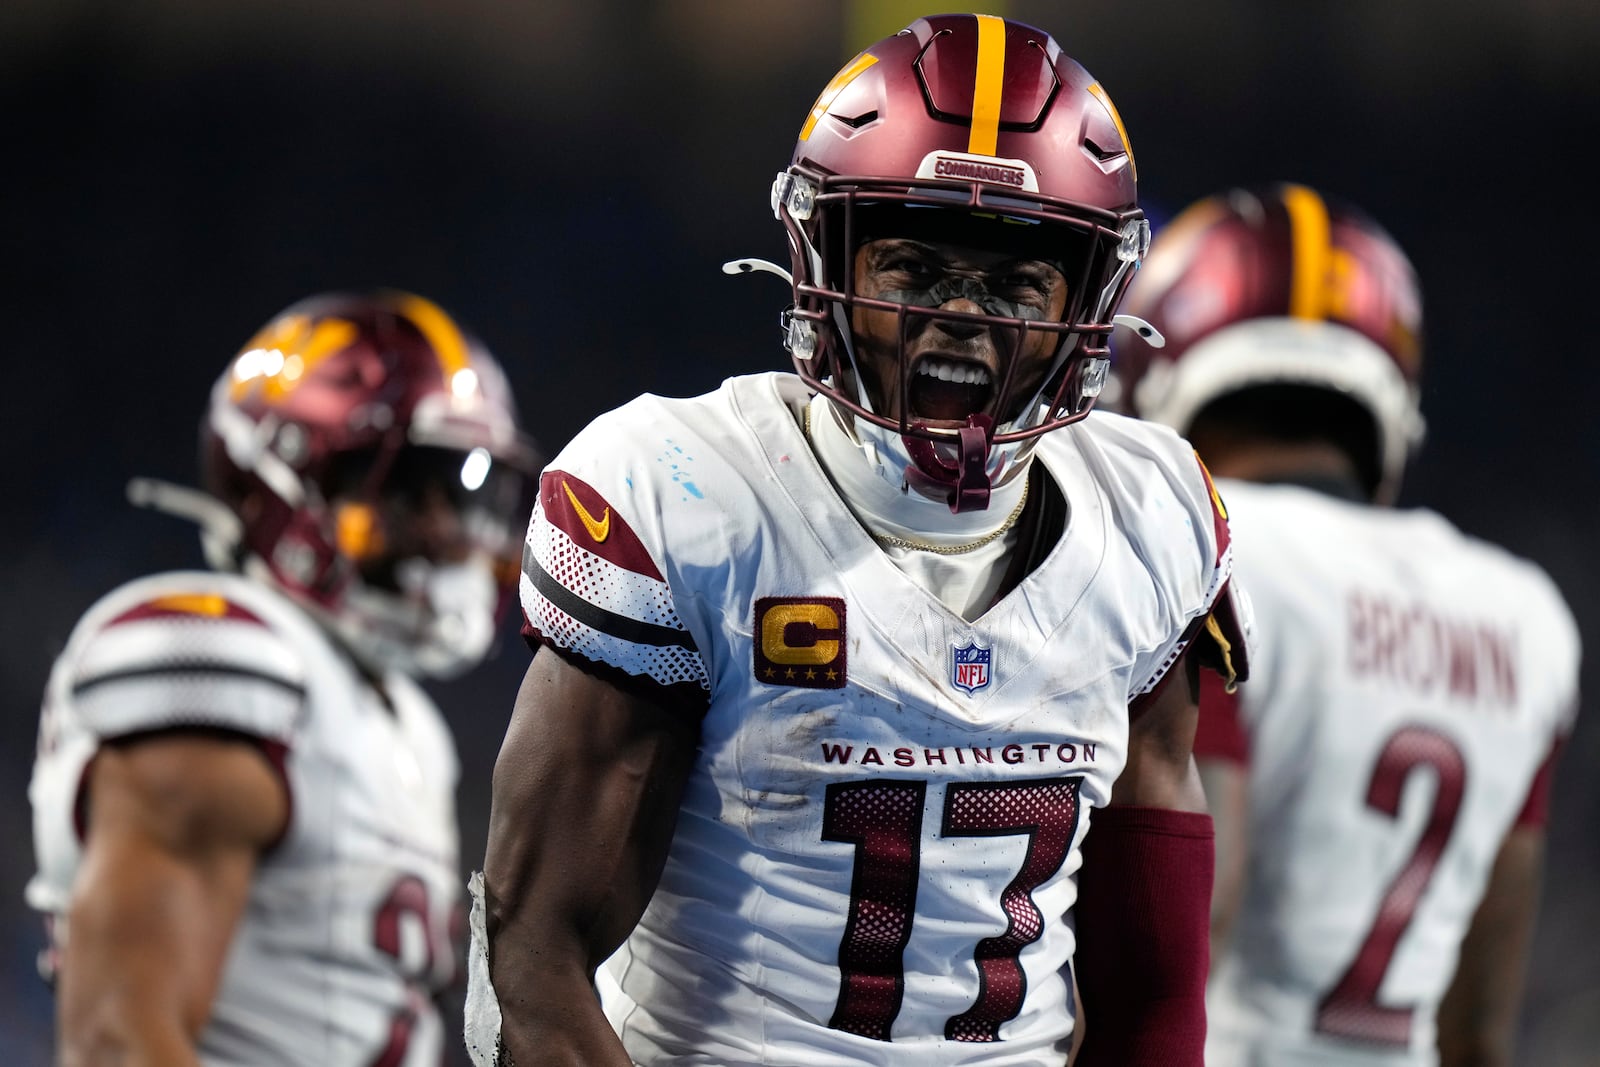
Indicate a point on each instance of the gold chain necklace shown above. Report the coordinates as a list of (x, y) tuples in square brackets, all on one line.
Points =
[(891, 541)]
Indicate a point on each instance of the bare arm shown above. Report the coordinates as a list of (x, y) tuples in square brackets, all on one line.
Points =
[(175, 825), (586, 793), (1227, 797), (1160, 772), (1478, 1017)]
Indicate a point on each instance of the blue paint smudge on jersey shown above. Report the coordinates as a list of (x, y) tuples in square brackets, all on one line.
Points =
[(680, 476)]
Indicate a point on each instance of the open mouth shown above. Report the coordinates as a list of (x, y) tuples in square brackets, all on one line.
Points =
[(947, 390)]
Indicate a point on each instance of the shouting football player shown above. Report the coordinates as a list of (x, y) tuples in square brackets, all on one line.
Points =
[(836, 668), (1380, 784), (243, 802)]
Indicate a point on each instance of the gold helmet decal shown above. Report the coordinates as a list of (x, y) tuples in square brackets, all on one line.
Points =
[(286, 349), (832, 90), (1101, 95)]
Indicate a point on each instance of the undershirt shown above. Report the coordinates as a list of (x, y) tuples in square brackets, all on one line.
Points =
[(967, 582)]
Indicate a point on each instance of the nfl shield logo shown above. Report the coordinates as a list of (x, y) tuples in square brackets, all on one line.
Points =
[(969, 668)]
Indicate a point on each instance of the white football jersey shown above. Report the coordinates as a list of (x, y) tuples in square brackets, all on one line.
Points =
[(1407, 684), (348, 929), (876, 856)]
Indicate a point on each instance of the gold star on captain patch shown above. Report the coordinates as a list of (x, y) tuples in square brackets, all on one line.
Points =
[(810, 673), (771, 672), (832, 674), (789, 673)]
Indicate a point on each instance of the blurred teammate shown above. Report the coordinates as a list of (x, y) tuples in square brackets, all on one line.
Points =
[(243, 803), (833, 667), (1380, 784)]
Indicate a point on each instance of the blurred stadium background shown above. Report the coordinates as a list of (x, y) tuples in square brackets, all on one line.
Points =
[(566, 177)]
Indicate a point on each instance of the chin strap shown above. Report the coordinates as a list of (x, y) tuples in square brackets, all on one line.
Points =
[(972, 487), (965, 481)]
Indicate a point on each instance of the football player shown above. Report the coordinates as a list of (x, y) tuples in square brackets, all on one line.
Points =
[(1380, 783), (243, 803), (836, 668)]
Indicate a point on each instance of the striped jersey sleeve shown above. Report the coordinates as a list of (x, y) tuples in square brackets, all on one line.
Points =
[(590, 587), (186, 659)]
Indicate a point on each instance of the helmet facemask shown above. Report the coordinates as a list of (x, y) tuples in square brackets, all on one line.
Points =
[(426, 536)]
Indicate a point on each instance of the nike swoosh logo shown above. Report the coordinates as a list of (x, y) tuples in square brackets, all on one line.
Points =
[(600, 528)]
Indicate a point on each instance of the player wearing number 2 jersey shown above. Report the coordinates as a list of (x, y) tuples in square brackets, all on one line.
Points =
[(1379, 784), (243, 804), (859, 724)]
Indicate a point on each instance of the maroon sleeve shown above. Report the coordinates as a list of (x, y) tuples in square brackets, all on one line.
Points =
[(1143, 925), (1219, 733), (1536, 808)]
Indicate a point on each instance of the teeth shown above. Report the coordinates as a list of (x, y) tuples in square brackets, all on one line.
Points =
[(959, 373)]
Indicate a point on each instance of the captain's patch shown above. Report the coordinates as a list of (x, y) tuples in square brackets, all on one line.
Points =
[(799, 640)]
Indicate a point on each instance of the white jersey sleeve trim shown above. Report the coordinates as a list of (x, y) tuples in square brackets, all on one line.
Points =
[(188, 670)]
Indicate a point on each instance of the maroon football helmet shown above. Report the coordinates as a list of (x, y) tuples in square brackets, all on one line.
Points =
[(986, 118), (343, 436), (1278, 286)]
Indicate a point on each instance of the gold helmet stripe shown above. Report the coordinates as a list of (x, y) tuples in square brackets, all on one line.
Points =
[(833, 89), (444, 336), (987, 85), (1310, 236)]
